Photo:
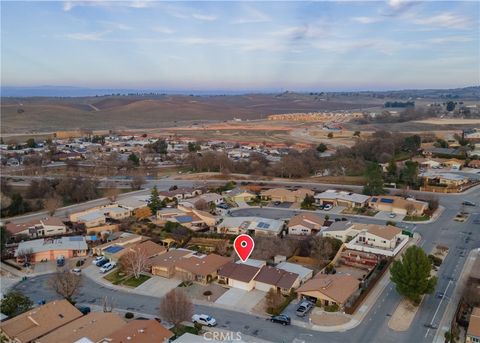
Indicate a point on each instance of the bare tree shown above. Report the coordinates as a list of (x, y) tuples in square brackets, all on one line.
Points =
[(65, 284), (25, 254), (107, 306), (272, 300), (134, 262), (52, 204), (202, 205), (137, 182), (321, 249), (112, 194), (176, 307)]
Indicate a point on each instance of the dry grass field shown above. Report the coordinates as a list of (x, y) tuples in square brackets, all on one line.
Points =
[(30, 115)]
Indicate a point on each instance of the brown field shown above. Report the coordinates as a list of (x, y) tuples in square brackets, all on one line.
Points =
[(453, 121), (141, 112)]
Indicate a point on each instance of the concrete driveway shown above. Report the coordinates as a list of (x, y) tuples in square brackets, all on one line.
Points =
[(241, 299), (157, 286)]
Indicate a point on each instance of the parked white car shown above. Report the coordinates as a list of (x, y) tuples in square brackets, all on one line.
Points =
[(328, 207), (392, 215), (97, 259), (204, 320), (107, 267), (76, 271)]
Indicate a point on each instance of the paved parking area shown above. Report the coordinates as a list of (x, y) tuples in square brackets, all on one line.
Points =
[(241, 299)]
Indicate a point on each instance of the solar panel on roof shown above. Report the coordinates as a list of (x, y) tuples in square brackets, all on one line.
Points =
[(113, 249), (386, 201), (75, 239)]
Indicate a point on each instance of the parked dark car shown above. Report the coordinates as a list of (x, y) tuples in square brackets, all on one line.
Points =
[(84, 309), (102, 262), (468, 203), (281, 319)]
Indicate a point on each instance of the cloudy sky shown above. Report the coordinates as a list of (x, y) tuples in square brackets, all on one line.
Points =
[(328, 45)]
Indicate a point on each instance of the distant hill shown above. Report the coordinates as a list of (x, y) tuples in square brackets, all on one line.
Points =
[(46, 113)]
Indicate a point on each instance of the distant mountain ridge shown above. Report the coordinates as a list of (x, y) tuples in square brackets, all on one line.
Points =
[(73, 91)]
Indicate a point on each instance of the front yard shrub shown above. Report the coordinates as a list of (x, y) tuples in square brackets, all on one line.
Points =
[(332, 308)]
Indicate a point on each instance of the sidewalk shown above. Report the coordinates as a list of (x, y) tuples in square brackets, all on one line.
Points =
[(367, 304), (444, 324)]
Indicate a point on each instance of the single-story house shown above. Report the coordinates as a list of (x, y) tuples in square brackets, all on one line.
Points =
[(207, 198), (238, 275), (444, 179), (379, 239), (250, 225), (443, 152), (39, 321), (341, 198), (285, 195), (48, 226), (454, 163), (149, 248), (180, 193), (473, 330), (202, 269), (399, 205), (239, 194), (97, 216), (50, 249), (474, 164), (329, 289), (343, 230), (165, 264), (120, 239), (304, 274), (305, 224), (277, 279), (93, 326), (139, 331)]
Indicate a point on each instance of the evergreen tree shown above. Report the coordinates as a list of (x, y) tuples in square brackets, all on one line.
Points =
[(134, 159), (15, 303), (321, 148), (392, 171), (411, 275), (154, 203), (374, 180)]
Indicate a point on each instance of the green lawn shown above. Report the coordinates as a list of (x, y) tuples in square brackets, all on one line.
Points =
[(132, 282), (115, 277), (421, 218)]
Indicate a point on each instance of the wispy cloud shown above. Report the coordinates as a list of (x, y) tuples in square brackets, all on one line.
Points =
[(450, 39), (69, 5), (445, 20), (252, 15), (366, 20), (91, 36), (204, 17), (115, 26), (163, 29)]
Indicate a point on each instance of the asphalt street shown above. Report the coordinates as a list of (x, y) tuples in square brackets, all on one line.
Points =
[(459, 237)]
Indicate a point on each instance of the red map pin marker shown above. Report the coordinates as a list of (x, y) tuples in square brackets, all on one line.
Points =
[(243, 246)]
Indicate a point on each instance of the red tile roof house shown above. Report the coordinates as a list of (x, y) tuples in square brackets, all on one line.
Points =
[(276, 279), (238, 275)]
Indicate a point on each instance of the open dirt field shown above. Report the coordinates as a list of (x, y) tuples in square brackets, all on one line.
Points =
[(38, 114), (453, 121)]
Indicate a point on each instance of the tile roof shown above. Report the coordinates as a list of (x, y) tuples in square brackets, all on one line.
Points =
[(338, 287), (238, 271), (170, 258), (203, 265), (94, 326), (139, 331), (41, 320), (474, 325), (310, 220), (276, 277)]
